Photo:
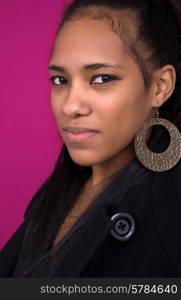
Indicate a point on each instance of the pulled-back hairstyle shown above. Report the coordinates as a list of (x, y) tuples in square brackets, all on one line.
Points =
[(151, 33)]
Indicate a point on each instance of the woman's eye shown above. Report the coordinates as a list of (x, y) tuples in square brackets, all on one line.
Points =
[(57, 80), (97, 79), (103, 78)]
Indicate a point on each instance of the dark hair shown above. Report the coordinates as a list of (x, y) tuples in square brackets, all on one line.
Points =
[(157, 43)]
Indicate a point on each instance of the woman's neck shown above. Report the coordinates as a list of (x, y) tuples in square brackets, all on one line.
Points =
[(106, 169)]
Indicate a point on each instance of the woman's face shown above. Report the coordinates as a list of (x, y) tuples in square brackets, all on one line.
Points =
[(110, 100)]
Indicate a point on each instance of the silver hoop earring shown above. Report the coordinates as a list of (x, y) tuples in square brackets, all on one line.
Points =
[(158, 162)]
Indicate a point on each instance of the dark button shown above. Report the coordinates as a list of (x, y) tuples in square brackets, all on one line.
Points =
[(123, 226)]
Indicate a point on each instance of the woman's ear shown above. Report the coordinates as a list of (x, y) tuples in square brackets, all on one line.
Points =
[(164, 84)]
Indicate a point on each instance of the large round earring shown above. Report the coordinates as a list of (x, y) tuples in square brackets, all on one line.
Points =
[(163, 161)]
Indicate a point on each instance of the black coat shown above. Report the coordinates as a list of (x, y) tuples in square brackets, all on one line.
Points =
[(144, 243)]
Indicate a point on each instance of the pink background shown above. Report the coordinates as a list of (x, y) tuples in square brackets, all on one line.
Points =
[(30, 141)]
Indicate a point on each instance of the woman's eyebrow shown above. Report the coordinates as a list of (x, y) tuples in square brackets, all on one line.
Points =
[(94, 66)]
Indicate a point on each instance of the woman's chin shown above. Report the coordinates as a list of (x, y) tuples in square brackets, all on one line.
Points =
[(83, 159), (82, 162)]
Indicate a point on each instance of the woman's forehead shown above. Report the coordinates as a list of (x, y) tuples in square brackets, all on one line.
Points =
[(89, 38)]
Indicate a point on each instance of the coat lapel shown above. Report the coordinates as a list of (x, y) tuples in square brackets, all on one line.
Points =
[(82, 242), (89, 236)]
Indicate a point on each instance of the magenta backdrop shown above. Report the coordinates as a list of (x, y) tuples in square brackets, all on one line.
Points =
[(30, 141)]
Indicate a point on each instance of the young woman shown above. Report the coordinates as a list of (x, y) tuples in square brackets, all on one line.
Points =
[(111, 207)]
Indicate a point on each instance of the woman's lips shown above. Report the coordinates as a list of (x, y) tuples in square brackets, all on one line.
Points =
[(77, 137)]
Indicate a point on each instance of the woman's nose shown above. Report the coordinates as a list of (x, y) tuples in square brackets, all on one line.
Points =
[(75, 103)]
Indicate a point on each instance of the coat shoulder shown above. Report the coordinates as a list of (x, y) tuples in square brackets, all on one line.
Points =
[(167, 210), (10, 251)]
